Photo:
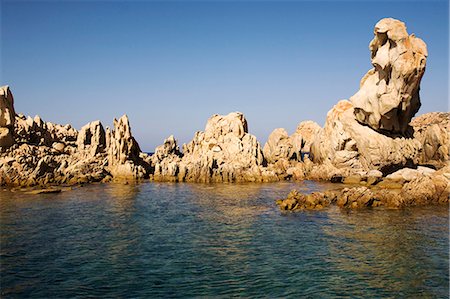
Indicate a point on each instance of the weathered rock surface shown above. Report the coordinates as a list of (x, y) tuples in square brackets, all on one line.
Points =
[(420, 190), (350, 147), (278, 146), (125, 159), (92, 138), (371, 131), (43, 153), (432, 130), (389, 93), (224, 152), (7, 117), (282, 146)]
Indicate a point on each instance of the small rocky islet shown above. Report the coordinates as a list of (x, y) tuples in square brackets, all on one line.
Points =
[(372, 143)]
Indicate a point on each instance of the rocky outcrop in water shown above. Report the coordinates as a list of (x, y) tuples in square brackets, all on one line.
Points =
[(364, 140), (388, 97), (371, 130), (125, 158), (415, 190), (42, 153), (224, 152), (351, 147)]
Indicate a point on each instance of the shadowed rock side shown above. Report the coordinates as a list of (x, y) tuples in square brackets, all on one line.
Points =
[(224, 152)]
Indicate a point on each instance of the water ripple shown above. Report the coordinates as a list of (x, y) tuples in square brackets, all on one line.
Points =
[(227, 240)]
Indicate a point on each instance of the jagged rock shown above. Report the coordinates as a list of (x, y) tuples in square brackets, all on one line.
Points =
[(166, 160), (124, 159), (433, 132), (389, 93), (92, 138), (168, 148), (33, 131), (45, 154), (224, 152), (7, 117)]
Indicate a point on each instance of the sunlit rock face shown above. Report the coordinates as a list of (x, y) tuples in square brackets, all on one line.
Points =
[(124, 155), (389, 93), (224, 152), (39, 153), (370, 131), (281, 146), (92, 138), (7, 117)]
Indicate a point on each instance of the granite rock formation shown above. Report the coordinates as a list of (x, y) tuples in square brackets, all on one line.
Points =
[(224, 152), (433, 188), (7, 117), (291, 148), (388, 97), (42, 153), (432, 130), (279, 146), (347, 145), (371, 130)]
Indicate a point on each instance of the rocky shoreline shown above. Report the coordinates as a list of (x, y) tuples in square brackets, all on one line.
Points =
[(370, 141)]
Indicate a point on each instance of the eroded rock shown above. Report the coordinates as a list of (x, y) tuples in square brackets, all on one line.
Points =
[(389, 93), (7, 117)]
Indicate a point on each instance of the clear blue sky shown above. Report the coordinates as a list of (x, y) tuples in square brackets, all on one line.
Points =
[(170, 65)]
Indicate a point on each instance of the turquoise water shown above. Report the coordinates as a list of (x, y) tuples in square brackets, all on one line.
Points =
[(185, 240)]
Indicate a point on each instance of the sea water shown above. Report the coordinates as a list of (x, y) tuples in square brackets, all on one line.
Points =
[(155, 240)]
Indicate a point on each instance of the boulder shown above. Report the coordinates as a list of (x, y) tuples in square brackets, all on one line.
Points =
[(166, 160), (278, 146), (282, 146), (389, 93), (7, 113), (304, 135)]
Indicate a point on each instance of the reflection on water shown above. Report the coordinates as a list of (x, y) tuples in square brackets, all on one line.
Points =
[(170, 240), (387, 249)]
